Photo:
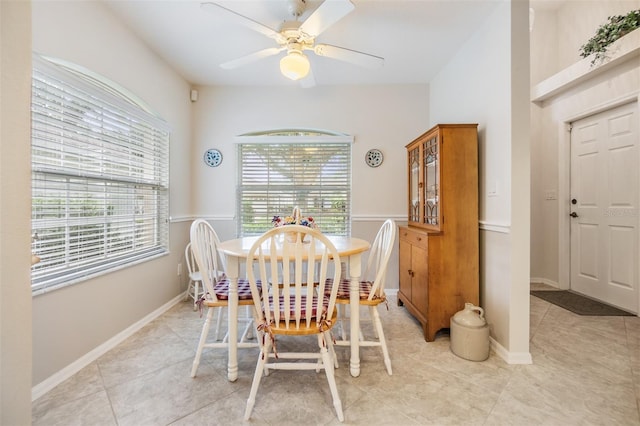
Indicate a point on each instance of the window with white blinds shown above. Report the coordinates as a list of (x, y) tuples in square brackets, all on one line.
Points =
[(100, 178), (275, 177)]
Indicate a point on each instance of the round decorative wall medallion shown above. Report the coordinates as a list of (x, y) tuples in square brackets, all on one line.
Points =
[(374, 158), (212, 157)]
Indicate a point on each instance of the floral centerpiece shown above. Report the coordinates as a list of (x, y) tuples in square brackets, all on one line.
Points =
[(296, 218), (278, 221)]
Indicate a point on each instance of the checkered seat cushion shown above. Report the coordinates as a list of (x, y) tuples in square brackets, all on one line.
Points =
[(343, 288), (314, 306), (244, 289)]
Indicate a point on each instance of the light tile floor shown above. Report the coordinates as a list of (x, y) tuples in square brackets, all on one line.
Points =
[(586, 371)]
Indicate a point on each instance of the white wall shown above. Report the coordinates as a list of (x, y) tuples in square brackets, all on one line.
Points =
[(578, 21), (383, 117), (70, 322), (619, 84), (487, 83), (544, 63), (15, 213), (555, 40)]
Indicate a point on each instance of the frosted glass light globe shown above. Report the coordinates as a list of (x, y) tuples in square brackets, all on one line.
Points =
[(295, 65)]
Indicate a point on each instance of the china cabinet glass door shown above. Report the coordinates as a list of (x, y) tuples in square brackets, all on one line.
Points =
[(414, 185), (431, 181)]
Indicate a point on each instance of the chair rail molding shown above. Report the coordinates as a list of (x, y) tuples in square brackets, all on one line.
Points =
[(191, 218), (378, 218), (502, 228)]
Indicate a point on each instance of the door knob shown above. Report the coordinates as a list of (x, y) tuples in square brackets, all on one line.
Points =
[(573, 214), (574, 201)]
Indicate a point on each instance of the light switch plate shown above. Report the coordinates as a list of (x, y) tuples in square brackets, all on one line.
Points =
[(492, 189)]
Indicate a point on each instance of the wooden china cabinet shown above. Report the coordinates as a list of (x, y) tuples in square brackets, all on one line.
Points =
[(438, 263)]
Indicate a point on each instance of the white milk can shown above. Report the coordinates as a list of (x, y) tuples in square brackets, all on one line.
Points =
[(470, 333)]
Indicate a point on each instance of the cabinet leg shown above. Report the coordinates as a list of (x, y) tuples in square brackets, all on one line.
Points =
[(429, 335), (400, 302)]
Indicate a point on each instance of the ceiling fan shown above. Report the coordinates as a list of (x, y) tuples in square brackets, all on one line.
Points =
[(297, 37)]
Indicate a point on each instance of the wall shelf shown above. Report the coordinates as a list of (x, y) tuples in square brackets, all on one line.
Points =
[(624, 49)]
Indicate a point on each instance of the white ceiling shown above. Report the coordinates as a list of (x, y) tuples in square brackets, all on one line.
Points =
[(415, 37)]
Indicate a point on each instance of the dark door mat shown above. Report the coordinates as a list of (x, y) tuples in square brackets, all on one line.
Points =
[(578, 304)]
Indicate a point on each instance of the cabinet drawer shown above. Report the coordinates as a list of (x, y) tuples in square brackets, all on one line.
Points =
[(419, 239)]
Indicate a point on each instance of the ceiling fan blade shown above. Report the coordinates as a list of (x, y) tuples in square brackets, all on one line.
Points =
[(308, 81), (327, 14), (241, 19), (252, 57), (348, 55)]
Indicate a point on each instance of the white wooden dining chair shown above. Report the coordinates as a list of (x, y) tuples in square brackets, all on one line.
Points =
[(204, 244), (371, 289), (294, 309), (195, 289)]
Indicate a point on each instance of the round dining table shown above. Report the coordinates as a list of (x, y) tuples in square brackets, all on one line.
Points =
[(350, 249)]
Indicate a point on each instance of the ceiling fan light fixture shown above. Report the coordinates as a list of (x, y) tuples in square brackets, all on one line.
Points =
[(295, 65)]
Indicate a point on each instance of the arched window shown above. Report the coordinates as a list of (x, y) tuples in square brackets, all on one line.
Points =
[(280, 169), (100, 182)]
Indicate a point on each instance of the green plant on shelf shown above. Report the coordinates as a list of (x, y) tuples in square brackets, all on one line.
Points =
[(616, 27)]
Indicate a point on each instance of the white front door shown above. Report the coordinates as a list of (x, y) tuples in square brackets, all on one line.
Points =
[(604, 196)]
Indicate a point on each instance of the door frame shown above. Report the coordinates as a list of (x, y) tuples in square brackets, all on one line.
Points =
[(564, 173)]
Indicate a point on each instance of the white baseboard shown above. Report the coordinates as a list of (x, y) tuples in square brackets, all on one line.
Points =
[(510, 357), (55, 379), (544, 281), (391, 291)]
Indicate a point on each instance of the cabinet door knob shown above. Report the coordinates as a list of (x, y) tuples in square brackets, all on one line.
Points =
[(410, 272)]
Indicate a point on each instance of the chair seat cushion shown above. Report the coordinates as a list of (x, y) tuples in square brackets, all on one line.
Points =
[(343, 288), (244, 289), (303, 313), (318, 322)]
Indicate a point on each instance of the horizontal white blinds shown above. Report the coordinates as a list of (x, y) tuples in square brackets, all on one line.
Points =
[(276, 177), (99, 179)]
